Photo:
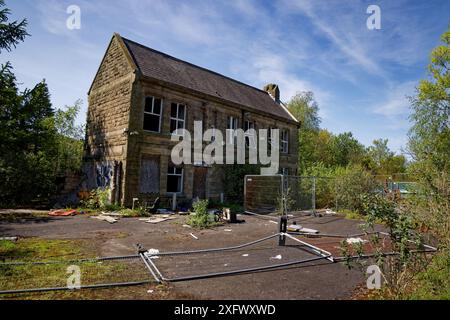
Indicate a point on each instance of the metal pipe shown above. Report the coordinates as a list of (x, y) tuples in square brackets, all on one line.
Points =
[(213, 250), (94, 286), (149, 268), (324, 253), (261, 215), (68, 261), (240, 271)]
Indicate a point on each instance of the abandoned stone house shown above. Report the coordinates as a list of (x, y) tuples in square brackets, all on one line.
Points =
[(139, 96)]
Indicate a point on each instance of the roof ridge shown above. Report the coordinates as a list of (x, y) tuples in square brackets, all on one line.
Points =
[(193, 65)]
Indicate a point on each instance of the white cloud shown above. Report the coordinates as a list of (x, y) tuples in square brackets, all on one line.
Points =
[(397, 103)]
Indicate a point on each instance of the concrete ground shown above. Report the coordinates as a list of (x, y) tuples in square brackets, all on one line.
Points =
[(318, 280)]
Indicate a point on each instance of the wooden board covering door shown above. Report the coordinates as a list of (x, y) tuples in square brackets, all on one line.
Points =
[(199, 189)]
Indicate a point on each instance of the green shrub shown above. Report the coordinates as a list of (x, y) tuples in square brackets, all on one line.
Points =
[(99, 199), (433, 283), (200, 218)]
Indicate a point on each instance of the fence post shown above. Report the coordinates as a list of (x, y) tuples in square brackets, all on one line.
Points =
[(314, 196)]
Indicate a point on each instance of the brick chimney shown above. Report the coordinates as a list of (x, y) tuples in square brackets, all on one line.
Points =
[(274, 91)]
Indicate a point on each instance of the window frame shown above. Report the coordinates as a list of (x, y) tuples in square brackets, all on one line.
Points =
[(250, 139), (284, 142), (153, 114), (180, 175), (232, 121), (177, 120)]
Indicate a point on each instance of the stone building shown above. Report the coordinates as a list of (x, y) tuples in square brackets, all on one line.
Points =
[(139, 96)]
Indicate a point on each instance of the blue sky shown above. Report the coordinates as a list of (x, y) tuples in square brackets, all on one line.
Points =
[(360, 77)]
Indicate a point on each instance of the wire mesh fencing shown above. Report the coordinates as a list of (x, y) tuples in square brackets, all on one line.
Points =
[(306, 194)]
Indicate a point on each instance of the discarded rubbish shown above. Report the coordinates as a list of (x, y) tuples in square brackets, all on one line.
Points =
[(298, 228), (294, 228), (329, 211), (227, 230), (155, 220), (149, 291), (278, 257), (9, 238), (187, 226), (152, 252), (63, 213), (105, 218), (194, 236), (274, 222), (245, 255), (164, 211), (307, 230), (355, 240), (112, 214)]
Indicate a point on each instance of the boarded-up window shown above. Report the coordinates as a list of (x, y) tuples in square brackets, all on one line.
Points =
[(149, 175)]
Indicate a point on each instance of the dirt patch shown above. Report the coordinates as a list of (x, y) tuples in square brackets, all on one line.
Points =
[(319, 280)]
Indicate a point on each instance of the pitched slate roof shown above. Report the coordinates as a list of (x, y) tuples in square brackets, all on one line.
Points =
[(160, 66)]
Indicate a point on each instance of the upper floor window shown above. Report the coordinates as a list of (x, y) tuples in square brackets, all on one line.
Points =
[(284, 141), (152, 114), (232, 125), (249, 136), (177, 118)]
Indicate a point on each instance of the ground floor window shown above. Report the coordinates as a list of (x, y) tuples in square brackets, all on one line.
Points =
[(174, 179)]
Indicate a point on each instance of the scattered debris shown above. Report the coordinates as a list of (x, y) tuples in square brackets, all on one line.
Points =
[(355, 240), (329, 211), (278, 257), (194, 236), (155, 220), (9, 238), (307, 230), (152, 252), (275, 222), (245, 255), (105, 218), (298, 228), (187, 226), (149, 291), (227, 230), (112, 214), (63, 213), (164, 211)]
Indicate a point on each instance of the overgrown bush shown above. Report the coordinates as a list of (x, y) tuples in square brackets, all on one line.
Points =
[(200, 217), (99, 199), (398, 271), (352, 183)]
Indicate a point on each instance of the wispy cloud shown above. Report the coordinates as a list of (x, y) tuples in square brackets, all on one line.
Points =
[(397, 103)]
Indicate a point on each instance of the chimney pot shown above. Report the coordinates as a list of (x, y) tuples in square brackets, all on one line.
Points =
[(273, 90)]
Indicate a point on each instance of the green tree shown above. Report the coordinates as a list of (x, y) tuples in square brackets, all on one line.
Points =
[(70, 138), (305, 108), (11, 33), (347, 150), (429, 137), (27, 141), (429, 144)]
